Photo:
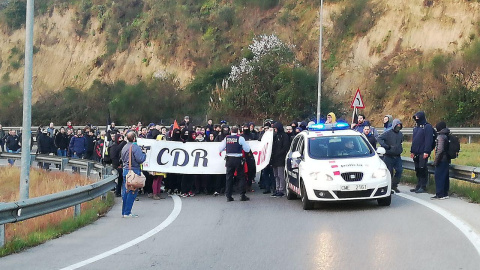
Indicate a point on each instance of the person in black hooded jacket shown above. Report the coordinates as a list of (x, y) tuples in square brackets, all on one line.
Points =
[(422, 146), (224, 133), (45, 146), (280, 146), (173, 181), (115, 155), (187, 179), (247, 135)]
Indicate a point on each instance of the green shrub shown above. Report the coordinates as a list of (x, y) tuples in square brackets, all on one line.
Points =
[(15, 65), (15, 14), (263, 4), (284, 19), (226, 16)]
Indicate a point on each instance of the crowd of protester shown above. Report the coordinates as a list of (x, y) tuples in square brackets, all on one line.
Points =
[(106, 146)]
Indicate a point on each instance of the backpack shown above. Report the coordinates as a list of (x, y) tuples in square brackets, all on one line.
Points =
[(434, 142), (106, 156), (453, 146)]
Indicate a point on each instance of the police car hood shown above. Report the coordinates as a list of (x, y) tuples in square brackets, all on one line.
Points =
[(365, 164)]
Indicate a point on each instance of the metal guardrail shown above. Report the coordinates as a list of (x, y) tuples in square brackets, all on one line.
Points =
[(407, 131), (21, 210), (460, 172), (454, 130)]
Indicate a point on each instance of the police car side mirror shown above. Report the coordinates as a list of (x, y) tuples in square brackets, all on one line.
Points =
[(296, 155), (381, 151)]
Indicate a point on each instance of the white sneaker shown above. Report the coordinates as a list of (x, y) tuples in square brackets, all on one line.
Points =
[(444, 198), (216, 194), (130, 216)]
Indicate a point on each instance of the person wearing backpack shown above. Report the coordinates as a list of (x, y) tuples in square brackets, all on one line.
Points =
[(422, 145), (442, 162)]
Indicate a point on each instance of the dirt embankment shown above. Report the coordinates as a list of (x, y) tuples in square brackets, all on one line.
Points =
[(426, 27), (64, 59)]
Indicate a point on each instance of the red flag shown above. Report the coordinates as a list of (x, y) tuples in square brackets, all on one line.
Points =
[(175, 125)]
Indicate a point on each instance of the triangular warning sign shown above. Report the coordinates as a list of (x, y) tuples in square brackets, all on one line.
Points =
[(357, 101)]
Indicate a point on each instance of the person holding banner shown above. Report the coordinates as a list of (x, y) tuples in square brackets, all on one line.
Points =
[(234, 144)]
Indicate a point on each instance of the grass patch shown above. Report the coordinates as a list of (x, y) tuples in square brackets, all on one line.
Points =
[(468, 154), (91, 211), (35, 231), (460, 188)]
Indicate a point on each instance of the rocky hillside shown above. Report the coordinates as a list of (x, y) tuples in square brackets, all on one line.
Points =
[(382, 47)]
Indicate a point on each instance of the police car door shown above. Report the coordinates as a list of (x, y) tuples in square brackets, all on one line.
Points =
[(293, 163)]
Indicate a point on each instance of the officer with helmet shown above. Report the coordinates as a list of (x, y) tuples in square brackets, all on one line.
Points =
[(234, 144)]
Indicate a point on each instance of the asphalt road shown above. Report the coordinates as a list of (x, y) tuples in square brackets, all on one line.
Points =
[(266, 233)]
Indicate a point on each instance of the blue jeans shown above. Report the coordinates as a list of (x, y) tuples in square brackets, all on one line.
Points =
[(394, 165), (12, 161), (129, 196), (442, 181), (62, 153)]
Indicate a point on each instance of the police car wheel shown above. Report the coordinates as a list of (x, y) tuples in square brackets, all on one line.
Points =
[(306, 203), (385, 201)]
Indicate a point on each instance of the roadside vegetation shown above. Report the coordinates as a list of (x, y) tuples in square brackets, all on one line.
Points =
[(215, 35), (35, 231), (447, 85)]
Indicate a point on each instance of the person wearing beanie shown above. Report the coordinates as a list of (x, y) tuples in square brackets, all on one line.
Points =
[(441, 162)]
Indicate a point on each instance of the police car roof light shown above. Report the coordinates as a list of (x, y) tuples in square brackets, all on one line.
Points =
[(325, 127)]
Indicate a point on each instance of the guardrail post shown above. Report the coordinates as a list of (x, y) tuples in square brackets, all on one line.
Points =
[(32, 158), (89, 168), (2, 235), (469, 139), (77, 210), (63, 166), (108, 171)]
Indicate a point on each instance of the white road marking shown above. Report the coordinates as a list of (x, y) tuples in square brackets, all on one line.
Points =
[(173, 215), (465, 228)]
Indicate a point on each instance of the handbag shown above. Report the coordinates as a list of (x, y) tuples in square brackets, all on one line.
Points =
[(134, 180)]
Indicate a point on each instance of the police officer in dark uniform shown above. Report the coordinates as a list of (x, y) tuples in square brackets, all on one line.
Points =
[(234, 144)]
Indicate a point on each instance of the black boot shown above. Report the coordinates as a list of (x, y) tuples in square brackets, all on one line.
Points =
[(244, 198)]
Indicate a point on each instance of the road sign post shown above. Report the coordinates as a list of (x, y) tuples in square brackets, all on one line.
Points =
[(357, 103)]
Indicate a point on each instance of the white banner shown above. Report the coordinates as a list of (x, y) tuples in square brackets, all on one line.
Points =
[(197, 157)]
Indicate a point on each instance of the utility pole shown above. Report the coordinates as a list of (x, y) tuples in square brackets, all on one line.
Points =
[(320, 63), (27, 104)]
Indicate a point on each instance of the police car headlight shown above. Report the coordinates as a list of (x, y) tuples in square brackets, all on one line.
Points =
[(380, 173), (320, 176)]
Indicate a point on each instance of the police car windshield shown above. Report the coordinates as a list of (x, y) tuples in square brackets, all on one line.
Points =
[(339, 147)]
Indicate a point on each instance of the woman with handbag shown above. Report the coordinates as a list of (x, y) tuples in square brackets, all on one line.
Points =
[(132, 158)]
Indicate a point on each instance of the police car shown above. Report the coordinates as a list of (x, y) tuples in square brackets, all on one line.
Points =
[(330, 162)]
